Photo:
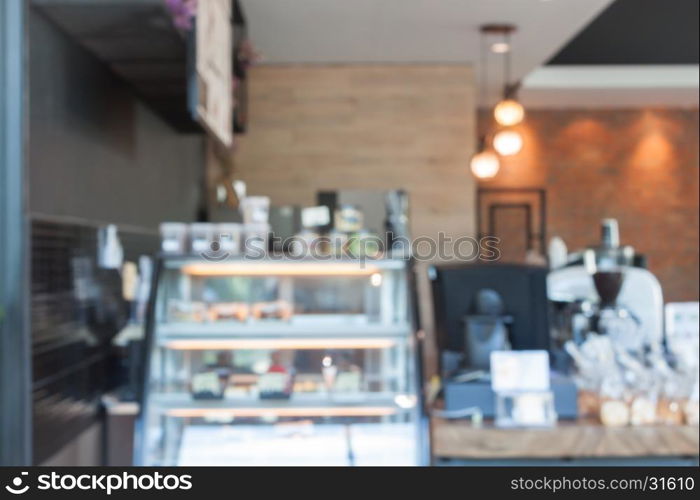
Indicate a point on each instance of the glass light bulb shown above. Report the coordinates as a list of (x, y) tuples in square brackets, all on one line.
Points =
[(509, 112), (507, 142), (500, 48), (485, 164)]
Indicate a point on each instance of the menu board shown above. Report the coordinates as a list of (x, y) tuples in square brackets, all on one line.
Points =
[(214, 42)]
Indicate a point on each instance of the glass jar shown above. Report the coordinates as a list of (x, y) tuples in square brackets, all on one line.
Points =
[(348, 218)]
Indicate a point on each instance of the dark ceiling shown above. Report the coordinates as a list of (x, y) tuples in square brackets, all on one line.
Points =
[(637, 32)]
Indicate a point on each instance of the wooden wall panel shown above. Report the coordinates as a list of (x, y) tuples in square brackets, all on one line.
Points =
[(364, 127), (316, 128)]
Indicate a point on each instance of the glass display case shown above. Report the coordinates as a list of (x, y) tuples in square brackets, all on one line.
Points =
[(281, 362)]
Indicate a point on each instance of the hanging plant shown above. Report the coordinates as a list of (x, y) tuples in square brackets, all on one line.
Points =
[(182, 13)]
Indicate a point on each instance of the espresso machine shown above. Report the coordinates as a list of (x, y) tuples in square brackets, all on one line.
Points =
[(606, 289)]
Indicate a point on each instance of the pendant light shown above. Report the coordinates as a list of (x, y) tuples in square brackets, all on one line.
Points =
[(507, 142), (485, 163), (508, 111)]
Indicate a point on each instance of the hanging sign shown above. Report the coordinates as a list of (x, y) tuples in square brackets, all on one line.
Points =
[(214, 35)]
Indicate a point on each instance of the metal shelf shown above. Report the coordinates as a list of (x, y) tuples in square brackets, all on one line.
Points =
[(277, 329), (276, 343), (183, 405), (282, 266)]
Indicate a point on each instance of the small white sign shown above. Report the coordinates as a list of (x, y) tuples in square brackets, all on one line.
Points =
[(682, 330), (315, 216), (519, 371), (683, 319)]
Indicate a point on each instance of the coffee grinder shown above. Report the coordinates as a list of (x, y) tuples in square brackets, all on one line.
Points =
[(607, 265)]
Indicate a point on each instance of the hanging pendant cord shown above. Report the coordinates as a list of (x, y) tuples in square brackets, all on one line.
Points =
[(483, 77), (482, 97), (506, 67)]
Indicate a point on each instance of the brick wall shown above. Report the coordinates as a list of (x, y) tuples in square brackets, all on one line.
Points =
[(639, 166)]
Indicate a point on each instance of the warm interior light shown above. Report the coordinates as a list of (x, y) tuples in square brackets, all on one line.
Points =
[(509, 112), (323, 411), (500, 47), (485, 164), (252, 268), (507, 142), (281, 343)]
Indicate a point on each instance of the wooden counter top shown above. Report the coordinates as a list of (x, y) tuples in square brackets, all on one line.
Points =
[(568, 440)]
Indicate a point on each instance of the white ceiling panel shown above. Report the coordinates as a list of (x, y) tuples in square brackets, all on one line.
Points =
[(412, 31)]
